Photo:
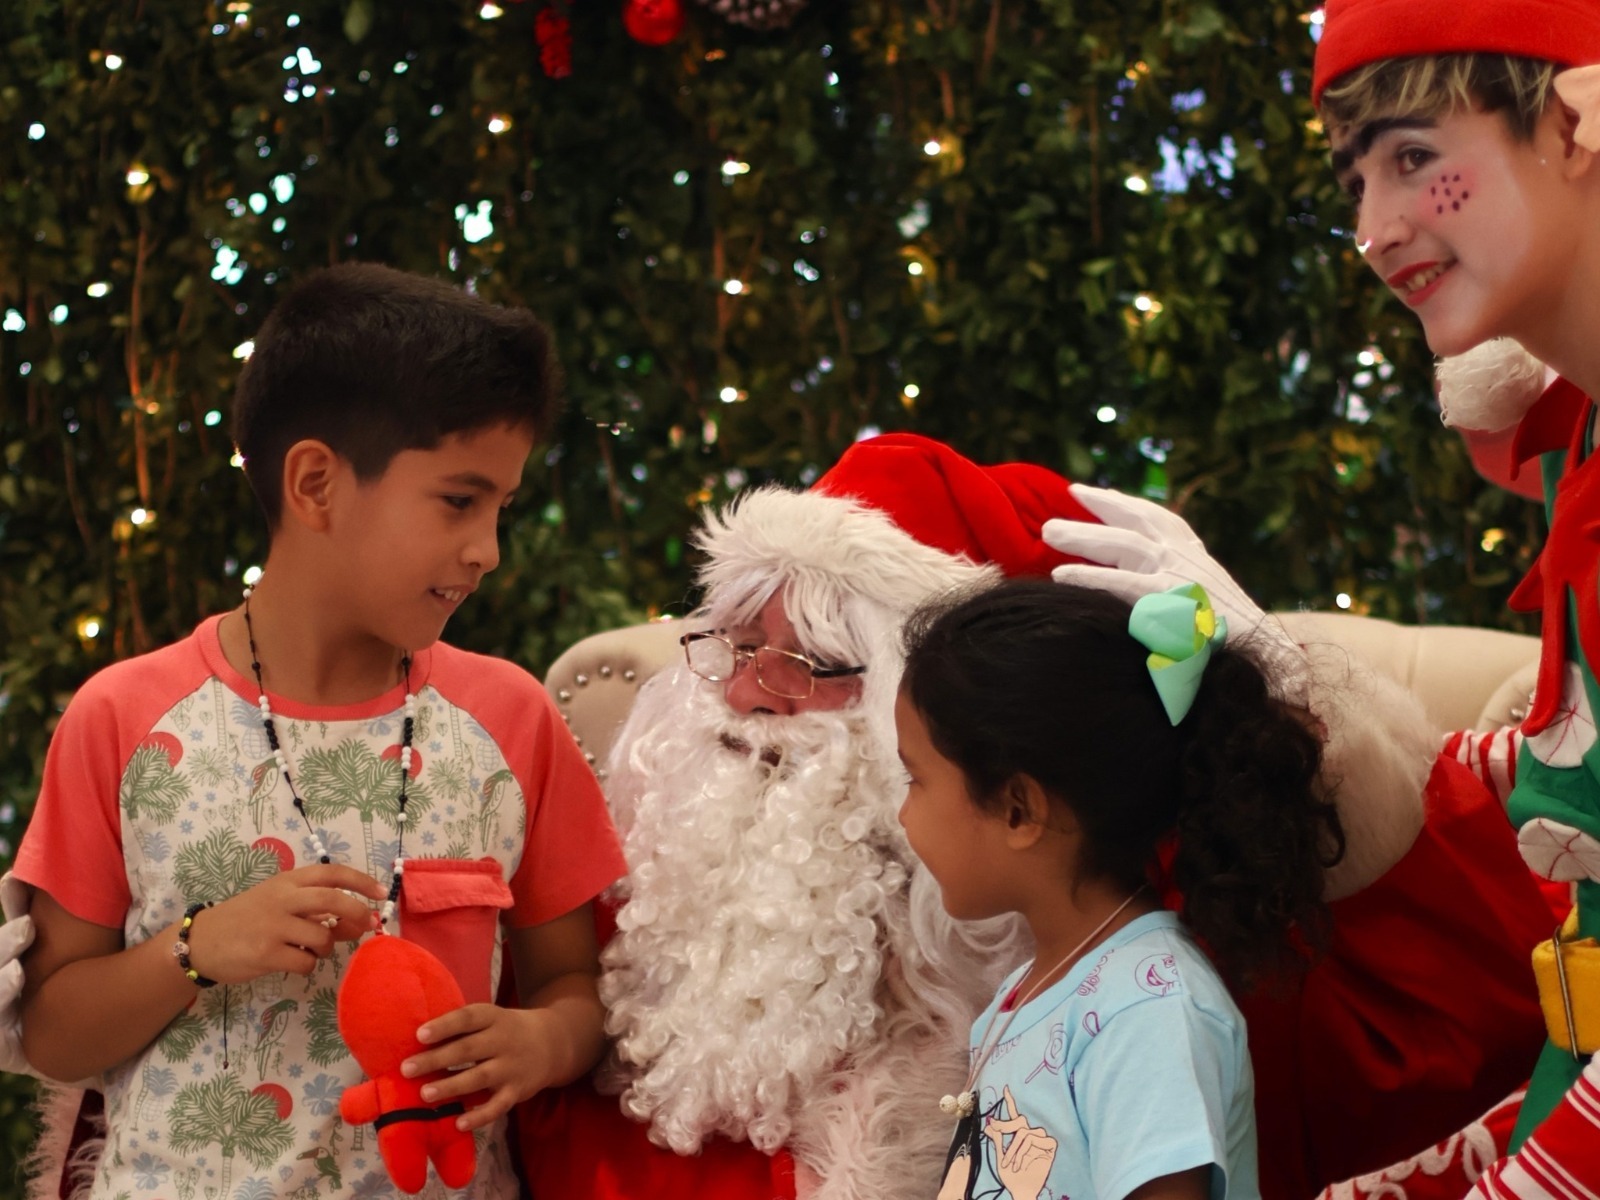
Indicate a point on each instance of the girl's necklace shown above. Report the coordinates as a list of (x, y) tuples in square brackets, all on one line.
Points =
[(963, 1104), (282, 760)]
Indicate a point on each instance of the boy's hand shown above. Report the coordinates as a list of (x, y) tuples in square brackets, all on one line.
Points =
[(509, 1051), (287, 923)]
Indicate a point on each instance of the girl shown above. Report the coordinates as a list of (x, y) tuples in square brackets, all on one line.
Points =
[(1065, 751)]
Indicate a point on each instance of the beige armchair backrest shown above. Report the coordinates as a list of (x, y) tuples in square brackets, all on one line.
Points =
[(1466, 678)]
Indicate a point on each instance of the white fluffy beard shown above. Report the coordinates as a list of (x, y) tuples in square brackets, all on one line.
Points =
[(783, 971)]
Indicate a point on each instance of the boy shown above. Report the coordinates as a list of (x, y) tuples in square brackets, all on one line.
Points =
[(1466, 132), (221, 820)]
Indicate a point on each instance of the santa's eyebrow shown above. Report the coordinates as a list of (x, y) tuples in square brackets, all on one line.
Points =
[(1358, 146)]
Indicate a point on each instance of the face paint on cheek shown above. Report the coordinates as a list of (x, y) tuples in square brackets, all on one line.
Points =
[(1448, 193)]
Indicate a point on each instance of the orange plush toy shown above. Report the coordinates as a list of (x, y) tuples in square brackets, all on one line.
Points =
[(390, 989)]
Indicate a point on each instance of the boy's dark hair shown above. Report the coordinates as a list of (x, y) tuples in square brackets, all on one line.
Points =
[(374, 361), (1043, 679), (1436, 85)]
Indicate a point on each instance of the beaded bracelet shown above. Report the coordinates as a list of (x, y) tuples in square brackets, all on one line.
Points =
[(180, 948)]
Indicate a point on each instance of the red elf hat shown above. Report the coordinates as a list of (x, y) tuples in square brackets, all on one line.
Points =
[(1356, 33)]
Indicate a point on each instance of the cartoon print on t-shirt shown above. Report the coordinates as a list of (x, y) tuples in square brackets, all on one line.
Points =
[(1019, 1155)]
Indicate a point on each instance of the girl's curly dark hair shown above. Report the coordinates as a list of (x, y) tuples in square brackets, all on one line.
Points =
[(1043, 679)]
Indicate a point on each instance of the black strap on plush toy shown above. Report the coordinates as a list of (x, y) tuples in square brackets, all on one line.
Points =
[(454, 1109)]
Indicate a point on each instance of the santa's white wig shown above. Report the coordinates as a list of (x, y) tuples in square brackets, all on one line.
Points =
[(784, 970)]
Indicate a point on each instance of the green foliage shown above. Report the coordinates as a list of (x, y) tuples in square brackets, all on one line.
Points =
[(1200, 339)]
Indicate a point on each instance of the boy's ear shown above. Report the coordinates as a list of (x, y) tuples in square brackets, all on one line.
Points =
[(1027, 811), (310, 475)]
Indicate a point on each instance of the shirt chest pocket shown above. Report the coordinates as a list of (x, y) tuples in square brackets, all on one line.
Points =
[(451, 907)]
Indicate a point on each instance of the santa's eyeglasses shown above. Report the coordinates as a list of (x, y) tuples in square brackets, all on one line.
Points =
[(782, 672)]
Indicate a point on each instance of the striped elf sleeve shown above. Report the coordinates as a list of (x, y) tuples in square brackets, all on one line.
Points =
[(1491, 755), (1561, 1160)]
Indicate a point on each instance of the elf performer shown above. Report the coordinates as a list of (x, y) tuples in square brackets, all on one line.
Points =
[(1469, 133), (1419, 1015)]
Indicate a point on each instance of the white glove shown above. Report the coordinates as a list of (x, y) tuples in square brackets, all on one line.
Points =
[(1144, 548), (16, 935)]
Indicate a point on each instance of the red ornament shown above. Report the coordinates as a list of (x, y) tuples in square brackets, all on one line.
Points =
[(653, 22), (553, 32)]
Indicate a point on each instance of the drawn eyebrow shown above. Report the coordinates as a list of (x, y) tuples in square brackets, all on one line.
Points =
[(1346, 158)]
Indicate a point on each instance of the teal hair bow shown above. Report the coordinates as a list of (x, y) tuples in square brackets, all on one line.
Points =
[(1180, 629)]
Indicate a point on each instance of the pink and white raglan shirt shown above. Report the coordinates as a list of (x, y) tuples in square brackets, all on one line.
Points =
[(160, 790)]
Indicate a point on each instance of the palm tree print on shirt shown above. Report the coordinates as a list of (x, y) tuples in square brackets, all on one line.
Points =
[(352, 777), (221, 1113), (152, 787), (219, 865)]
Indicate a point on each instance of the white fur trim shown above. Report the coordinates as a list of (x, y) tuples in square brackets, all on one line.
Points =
[(1379, 752), (1490, 387), (56, 1109)]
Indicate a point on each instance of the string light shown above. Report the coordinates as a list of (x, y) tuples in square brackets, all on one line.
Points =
[(237, 461), (932, 148), (913, 268), (499, 123), (1342, 599), (98, 289), (1105, 414), (734, 167), (251, 576), (491, 11), (113, 62), (1147, 303), (137, 176), (244, 349), (733, 287), (1492, 539), (35, 131), (1137, 184), (89, 628), (911, 391)]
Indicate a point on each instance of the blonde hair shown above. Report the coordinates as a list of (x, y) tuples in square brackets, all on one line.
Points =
[(1437, 84)]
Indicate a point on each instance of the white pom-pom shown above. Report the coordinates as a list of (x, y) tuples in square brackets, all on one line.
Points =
[(1490, 387)]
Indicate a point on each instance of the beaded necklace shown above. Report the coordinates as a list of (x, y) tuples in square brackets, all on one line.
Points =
[(965, 1102), (406, 731)]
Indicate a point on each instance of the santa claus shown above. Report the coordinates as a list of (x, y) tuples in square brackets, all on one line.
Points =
[(788, 999), (783, 974)]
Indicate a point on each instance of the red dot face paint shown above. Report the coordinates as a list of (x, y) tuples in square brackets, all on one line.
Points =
[(1447, 192)]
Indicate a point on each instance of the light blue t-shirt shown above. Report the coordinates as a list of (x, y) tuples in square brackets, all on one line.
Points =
[(1132, 1066)]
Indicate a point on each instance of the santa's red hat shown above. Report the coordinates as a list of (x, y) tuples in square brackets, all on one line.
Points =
[(1356, 33), (898, 520), (946, 501)]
